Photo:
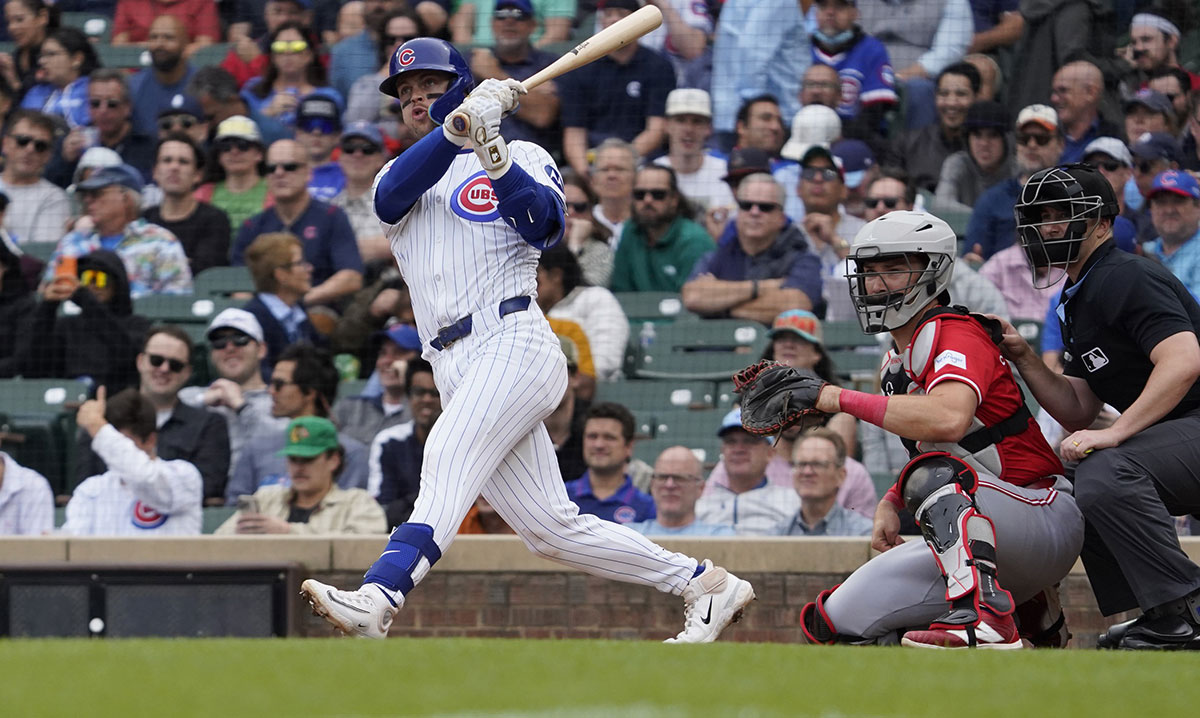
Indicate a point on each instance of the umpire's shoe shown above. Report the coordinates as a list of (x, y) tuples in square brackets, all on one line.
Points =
[(365, 613), (712, 601), (1171, 627)]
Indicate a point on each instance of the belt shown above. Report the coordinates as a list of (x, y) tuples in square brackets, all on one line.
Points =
[(461, 328)]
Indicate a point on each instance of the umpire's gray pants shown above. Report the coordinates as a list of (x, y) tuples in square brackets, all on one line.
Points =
[(1128, 494), (1039, 533)]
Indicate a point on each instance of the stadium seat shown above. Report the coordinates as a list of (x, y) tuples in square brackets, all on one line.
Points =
[(707, 450), (956, 215), (1031, 331), (860, 370), (125, 57), (652, 307), (181, 308), (40, 250), (686, 425), (213, 516), (36, 433), (351, 387), (846, 335), (222, 281), (210, 54), (660, 394), (711, 349), (94, 25)]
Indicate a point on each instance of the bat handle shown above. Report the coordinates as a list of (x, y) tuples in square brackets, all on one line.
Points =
[(458, 124)]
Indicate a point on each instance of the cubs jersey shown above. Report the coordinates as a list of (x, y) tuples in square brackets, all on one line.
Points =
[(865, 72), (455, 252), (956, 348)]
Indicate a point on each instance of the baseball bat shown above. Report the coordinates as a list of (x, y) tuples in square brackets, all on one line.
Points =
[(610, 39)]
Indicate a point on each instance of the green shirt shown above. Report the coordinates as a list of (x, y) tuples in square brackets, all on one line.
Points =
[(240, 206), (542, 9), (638, 267)]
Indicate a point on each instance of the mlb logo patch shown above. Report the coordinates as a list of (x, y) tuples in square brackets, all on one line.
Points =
[(145, 517), (474, 200), (1094, 360)]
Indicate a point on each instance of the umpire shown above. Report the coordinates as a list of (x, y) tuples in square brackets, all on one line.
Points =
[(1130, 335)]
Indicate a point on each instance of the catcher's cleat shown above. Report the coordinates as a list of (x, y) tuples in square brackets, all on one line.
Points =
[(365, 613), (1041, 620), (713, 600), (992, 632)]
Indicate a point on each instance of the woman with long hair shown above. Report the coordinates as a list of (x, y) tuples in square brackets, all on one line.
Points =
[(587, 239), (28, 23), (65, 60), (293, 71)]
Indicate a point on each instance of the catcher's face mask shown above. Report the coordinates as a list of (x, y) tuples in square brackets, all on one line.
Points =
[(890, 289)]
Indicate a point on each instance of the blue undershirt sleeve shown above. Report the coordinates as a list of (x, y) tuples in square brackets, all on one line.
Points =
[(530, 207), (411, 174)]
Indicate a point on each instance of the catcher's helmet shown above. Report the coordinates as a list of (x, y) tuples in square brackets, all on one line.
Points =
[(1064, 196), (429, 53), (926, 242)]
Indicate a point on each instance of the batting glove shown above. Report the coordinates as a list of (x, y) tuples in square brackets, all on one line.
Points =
[(506, 92)]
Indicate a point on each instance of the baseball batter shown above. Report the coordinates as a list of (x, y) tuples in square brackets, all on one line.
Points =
[(466, 221), (999, 525)]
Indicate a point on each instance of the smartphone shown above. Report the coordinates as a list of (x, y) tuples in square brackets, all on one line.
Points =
[(67, 267), (247, 504)]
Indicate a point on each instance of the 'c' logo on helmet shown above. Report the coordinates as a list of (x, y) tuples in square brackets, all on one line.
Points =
[(407, 56)]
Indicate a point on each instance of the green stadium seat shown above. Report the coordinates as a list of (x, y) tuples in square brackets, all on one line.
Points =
[(859, 369), (94, 25), (210, 54), (351, 387), (652, 307), (686, 425), (712, 349), (222, 281), (40, 250), (181, 308), (40, 398), (1031, 331), (37, 432), (883, 481), (125, 57), (655, 395), (213, 516), (846, 335), (707, 450), (958, 216)]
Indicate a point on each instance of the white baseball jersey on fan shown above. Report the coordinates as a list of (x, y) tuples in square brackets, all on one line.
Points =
[(498, 383)]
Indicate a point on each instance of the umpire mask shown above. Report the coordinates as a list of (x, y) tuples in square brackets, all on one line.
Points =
[(1053, 214)]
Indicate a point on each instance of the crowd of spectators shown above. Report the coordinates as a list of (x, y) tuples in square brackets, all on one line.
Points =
[(730, 157)]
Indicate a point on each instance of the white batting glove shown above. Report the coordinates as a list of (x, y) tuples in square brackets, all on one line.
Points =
[(506, 92), (493, 155), (482, 113)]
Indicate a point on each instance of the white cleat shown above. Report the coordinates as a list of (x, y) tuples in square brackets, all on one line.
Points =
[(712, 601), (365, 613)]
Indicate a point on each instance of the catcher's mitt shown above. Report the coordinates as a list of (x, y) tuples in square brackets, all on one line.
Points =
[(777, 397)]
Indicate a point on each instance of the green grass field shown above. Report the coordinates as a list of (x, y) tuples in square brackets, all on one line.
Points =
[(462, 677)]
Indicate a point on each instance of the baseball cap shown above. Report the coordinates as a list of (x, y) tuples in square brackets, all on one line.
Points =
[(631, 5), (731, 421), (856, 158), (689, 101), (745, 161), (239, 319), (309, 436), (1157, 146), (181, 104), (402, 335), (1043, 115), (525, 6), (812, 125), (1111, 147), (986, 113), (1176, 182), (800, 322), (238, 126), (818, 151), (123, 175), (365, 130), (1151, 100), (318, 111)]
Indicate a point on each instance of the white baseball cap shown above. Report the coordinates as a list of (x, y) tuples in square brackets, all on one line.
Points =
[(1110, 146), (1043, 115), (238, 319), (812, 125), (239, 126), (689, 101)]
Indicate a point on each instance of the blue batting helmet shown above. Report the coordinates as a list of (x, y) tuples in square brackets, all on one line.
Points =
[(428, 53)]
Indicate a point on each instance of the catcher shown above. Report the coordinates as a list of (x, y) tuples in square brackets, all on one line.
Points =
[(999, 523)]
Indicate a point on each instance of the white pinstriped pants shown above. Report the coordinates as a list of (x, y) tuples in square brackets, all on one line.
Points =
[(497, 385)]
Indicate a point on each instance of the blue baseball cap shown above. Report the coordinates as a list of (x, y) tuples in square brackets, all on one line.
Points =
[(122, 174), (181, 104), (366, 130), (733, 420), (402, 335), (1151, 100), (524, 6), (1157, 146), (856, 159), (1176, 182)]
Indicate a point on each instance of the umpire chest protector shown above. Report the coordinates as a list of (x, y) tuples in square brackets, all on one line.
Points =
[(907, 373)]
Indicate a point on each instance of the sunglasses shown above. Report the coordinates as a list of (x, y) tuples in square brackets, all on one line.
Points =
[(94, 278), (25, 140), (285, 47), (238, 340), (1106, 165), (174, 365), (235, 143), (318, 125), (764, 207), (421, 393), (641, 194), (1144, 167), (510, 13), (397, 39), (889, 202), (577, 207), (285, 166), (184, 122), (109, 103), (278, 384), (680, 479), (825, 174), (1042, 140), (362, 148)]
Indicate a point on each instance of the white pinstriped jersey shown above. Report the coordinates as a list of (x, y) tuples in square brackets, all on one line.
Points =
[(455, 252)]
